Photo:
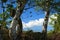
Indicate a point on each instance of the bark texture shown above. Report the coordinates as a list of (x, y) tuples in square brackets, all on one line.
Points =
[(45, 24), (16, 22)]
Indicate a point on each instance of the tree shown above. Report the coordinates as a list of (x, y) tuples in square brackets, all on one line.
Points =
[(46, 5), (16, 22), (56, 20), (4, 16)]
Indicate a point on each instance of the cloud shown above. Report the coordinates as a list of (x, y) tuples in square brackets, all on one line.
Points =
[(37, 22)]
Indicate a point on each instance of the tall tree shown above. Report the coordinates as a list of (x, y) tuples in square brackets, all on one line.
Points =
[(46, 5), (4, 15), (16, 22), (56, 20)]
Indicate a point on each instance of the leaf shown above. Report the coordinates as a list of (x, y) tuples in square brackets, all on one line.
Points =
[(0, 15), (4, 1)]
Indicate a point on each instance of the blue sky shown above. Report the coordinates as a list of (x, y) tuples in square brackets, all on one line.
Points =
[(32, 19), (35, 22)]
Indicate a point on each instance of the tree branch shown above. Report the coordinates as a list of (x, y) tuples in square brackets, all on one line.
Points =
[(30, 7)]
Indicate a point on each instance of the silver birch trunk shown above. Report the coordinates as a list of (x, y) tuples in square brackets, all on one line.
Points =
[(16, 22), (45, 24)]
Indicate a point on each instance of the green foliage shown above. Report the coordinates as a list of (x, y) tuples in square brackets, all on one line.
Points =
[(4, 1), (53, 19), (44, 4), (57, 6), (9, 7), (50, 33), (4, 16), (56, 23)]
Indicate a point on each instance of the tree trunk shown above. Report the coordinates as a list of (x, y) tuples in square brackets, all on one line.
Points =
[(16, 22), (19, 30), (45, 24), (1, 38)]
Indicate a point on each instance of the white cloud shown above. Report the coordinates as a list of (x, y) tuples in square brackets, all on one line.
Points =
[(33, 23), (37, 22)]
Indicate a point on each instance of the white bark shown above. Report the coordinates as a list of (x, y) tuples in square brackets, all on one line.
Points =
[(13, 28), (15, 23)]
